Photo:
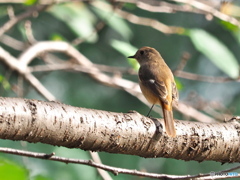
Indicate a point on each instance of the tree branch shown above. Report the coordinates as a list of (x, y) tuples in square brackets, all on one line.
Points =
[(114, 170), (210, 79), (126, 133), (211, 10), (8, 25), (194, 6)]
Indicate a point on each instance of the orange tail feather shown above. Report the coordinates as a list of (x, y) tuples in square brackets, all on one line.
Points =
[(169, 122)]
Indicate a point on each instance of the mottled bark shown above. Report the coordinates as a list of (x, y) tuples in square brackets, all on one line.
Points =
[(127, 133)]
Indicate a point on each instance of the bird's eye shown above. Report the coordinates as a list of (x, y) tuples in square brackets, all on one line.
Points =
[(141, 52)]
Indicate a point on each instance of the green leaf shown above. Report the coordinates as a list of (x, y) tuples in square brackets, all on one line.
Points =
[(229, 26), (179, 84), (10, 170), (216, 51), (78, 18), (127, 50), (6, 85), (130, 6), (112, 19), (41, 177), (30, 2), (57, 37), (236, 34)]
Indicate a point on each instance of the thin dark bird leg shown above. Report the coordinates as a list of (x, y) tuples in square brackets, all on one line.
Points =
[(150, 110)]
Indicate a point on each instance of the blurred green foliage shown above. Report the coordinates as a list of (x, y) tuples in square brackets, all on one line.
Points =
[(213, 46), (217, 52), (30, 2), (10, 170), (78, 18), (125, 49)]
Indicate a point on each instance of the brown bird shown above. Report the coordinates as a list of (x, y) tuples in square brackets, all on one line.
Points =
[(157, 84)]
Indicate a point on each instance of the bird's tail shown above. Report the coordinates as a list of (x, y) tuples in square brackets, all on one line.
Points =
[(169, 122)]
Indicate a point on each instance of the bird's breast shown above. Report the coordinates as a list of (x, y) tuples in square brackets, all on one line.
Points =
[(149, 95)]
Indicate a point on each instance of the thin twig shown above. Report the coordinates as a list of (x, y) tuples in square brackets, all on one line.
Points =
[(141, 20), (114, 170), (96, 158), (13, 43), (194, 6), (150, 23), (211, 10), (9, 24), (70, 66), (29, 32), (210, 79), (21, 68), (183, 62)]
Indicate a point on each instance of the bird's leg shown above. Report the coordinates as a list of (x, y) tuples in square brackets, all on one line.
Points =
[(150, 110)]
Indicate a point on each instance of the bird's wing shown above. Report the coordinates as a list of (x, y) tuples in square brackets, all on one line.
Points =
[(157, 87), (175, 94)]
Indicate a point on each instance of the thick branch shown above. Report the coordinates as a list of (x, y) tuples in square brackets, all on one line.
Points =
[(127, 133)]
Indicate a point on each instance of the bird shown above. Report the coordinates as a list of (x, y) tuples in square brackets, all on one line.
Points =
[(157, 84)]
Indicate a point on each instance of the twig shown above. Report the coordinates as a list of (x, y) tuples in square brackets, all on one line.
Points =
[(189, 111), (183, 62), (114, 170), (72, 66), (142, 20), (14, 20), (10, 12), (211, 10), (21, 68), (210, 79), (194, 6), (164, 7), (13, 43), (29, 33), (150, 22), (39, 86), (95, 157)]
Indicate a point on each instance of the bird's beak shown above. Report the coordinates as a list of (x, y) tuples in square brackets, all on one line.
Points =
[(131, 56)]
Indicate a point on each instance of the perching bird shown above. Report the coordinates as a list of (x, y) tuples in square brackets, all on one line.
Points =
[(157, 84)]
